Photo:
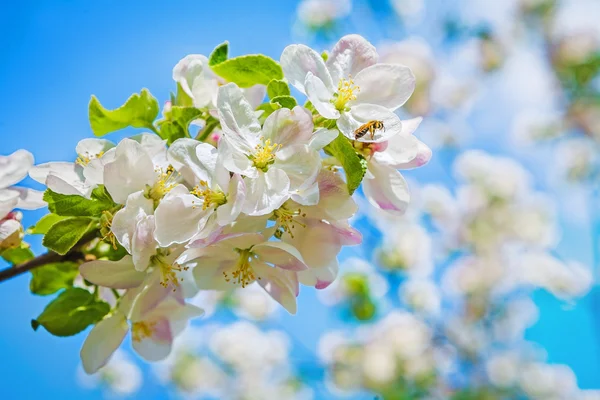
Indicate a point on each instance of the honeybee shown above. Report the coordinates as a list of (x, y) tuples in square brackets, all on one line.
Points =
[(370, 127)]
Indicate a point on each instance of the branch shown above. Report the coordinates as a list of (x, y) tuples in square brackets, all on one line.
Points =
[(47, 258)]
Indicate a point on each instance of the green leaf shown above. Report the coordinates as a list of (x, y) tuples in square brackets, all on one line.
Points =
[(285, 101), (176, 125), (277, 88), (182, 99), (139, 111), (51, 278), (71, 312), (354, 165), (17, 255), (45, 223), (65, 234), (219, 54), (78, 206), (249, 70)]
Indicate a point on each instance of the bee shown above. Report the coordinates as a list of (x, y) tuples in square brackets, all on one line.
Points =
[(370, 127)]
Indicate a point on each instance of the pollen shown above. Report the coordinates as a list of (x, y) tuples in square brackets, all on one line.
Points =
[(166, 181), (105, 229), (211, 198), (287, 220), (346, 92), (168, 271), (265, 155), (141, 330), (243, 274), (85, 159)]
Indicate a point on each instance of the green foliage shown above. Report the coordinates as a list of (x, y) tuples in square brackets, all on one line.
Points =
[(45, 223), (285, 101), (249, 70), (71, 312), (51, 278), (277, 88), (182, 99), (219, 54), (354, 165), (79, 206), (175, 125), (65, 234), (17, 255), (139, 111)]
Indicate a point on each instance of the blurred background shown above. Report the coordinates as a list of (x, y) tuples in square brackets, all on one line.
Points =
[(485, 289)]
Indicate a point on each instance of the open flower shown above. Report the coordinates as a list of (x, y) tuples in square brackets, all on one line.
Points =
[(237, 260), (275, 159), (351, 86)]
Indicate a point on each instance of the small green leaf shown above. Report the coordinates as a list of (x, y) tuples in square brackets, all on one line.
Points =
[(249, 70), (176, 125), (51, 278), (277, 88), (45, 223), (78, 206), (139, 111), (71, 312), (17, 255), (219, 54), (182, 99), (65, 234), (325, 55), (285, 101), (354, 165)]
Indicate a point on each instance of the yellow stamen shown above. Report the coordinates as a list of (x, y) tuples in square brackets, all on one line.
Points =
[(166, 181), (105, 229), (211, 198), (265, 155), (243, 274), (141, 330), (287, 220), (346, 92), (168, 272), (85, 159)]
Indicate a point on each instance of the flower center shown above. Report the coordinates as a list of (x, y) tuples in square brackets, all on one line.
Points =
[(265, 155), (85, 159), (346, 92), (243, 274), (211, 198), (166, 181), (105, 229), (168, 271), (286, 220), (141, 330)]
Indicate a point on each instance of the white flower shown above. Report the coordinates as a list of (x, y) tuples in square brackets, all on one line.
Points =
[(421, 295), (351, 86), (320, 13), (276, 159)]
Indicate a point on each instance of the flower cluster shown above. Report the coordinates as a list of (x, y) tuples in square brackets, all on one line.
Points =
[(255, 198)]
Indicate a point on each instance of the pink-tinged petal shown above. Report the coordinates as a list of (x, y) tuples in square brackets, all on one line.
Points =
[(236, 196), (320, 96), (289, 127), (349, 56), (103, 340), (298, 60), (421, 158), (300, 163), (153, 339), (386, 189), (255, 95), (280, 284), (347, 235), (280, 254), (387, 85), (334, 199), (316, 234), (113, 274), (362, 114), (402, 149), (238, 121), (14, 167), (130, 172), (307, 195), (152, 294), (209, 273), (320, 278), (143, 244), (266, 192)]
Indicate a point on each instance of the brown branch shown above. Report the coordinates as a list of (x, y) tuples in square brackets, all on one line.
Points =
[(48, 258)]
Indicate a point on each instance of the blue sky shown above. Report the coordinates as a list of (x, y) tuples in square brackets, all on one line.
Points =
[(55, 54)]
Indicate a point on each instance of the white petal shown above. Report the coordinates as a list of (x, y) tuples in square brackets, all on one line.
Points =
[(29, 199), (421, 158), (287, 127), (235, 160), (92, 147), (359, 115), (322, 137), (152, 143), (191, 73), (387, 85), (157, 346), (280, 254), (280, 284), (266, 192), (255, 95), (8, 201), (350, 55), (237, 117), (320, 278), (126, 219), (10, 233), (387, 189), (298, 60), (130, 172), (61, 177), (14, 167), (236, 197), (113, 274), (178, 218), (316, 235), (307, 195), (400, 150), (320, 96), (103, 340), (62, 186), (334, 198), (143, 244), (184, 155), (300, 163)]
